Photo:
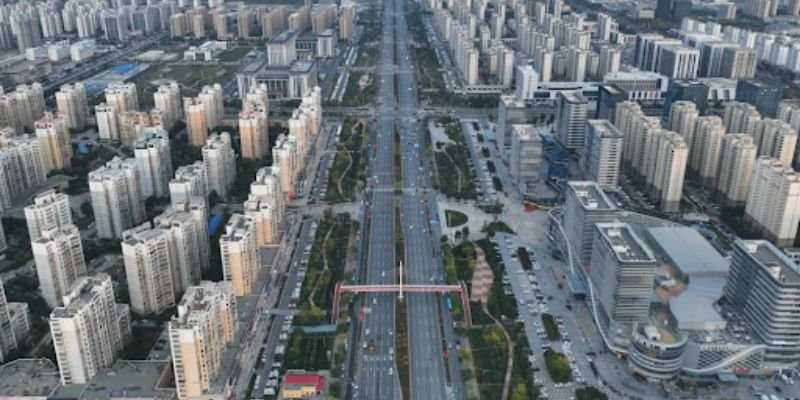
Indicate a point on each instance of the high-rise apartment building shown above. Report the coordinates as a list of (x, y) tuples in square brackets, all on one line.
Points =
[(107, 118), (666, 155), (285, 157), (167, 98), (254, 132), (207, 321), (190, 181), (10, 334), (89, 330), (776, 139), (188, 241), (239, 250), (773, 203), (122, 96), (682, 118), (706, 151), (148, 271), (54, 141), (219, 160), (58, 254), (268, 184), (21, 167), (571, 120), (610, 60), (602, 154), (739, 155), (196, 120), (48, 210), (211, 97), (741, 118), (117, 199), (347, 16), (71, 102), (154, 161), (762, 286)]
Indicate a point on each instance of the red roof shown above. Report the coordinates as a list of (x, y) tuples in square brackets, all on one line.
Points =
[(318, 381)]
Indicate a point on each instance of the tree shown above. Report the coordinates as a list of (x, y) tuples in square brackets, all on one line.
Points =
[(309, 315), (519, 392)]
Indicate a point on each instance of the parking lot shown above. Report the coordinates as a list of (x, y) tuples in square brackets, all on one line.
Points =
[(471, 128)]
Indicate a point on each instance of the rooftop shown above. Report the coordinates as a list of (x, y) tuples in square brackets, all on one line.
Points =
[(604, 127), (625, 243), (591, 195), (781, 267), (28, 377)]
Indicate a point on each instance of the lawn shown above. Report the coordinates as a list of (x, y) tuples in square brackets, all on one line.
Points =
[(348, 165), (558, 366), (550, 327), (490, 355), (191, 78), (455, 218), (495, 227), (453, 177), (308, 353), (234, 54), (355, 95)]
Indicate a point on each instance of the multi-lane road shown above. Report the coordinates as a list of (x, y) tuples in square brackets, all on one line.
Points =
[(429, 324), (377, 378)]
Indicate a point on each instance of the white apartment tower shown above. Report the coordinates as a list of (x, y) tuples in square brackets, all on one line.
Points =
[(122, 96), (706, 151), (190, 181), (58, 255), (116, 197), (683, 119), (219, 161), (48, 210), (168, 99), (239, 250), (148, 271), (153, 159), (188, 242), (739, 154), (776, 139), (211, 97), (107, 118), (741, 118), (773, 203), (89, 329), (667, 155), (71, 102)]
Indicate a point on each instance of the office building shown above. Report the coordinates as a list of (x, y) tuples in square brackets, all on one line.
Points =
[(58, 255), (679, 62), (764, 95), (207, 321), (760, 9), (148, 271), (240, 256), (525, 161), (602, 153), (71, 102), (154, 161), (739, 154), (693, 91), (190, 181), (220, 163), (762, 287), (571, 121), (89, 330), (52, 132), (622, 275), (586, 205), (116, 194), (167, 98), (738, 63), (48, 210), (773, 203)]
